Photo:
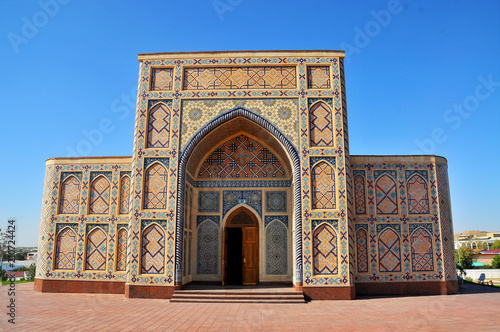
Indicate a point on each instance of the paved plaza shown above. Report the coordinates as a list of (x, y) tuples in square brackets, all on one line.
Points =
[(475, 308)]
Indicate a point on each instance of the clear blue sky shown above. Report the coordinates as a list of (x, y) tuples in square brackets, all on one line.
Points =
[(423, 68)]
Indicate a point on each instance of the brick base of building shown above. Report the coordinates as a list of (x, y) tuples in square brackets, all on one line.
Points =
[(79, 286), (329, 293), (149, 292), (407, 288)]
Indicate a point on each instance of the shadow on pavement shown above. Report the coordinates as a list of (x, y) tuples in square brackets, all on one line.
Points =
[(477, 289)]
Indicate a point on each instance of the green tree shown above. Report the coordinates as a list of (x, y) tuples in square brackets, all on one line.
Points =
[(496, 245), (496, 262), (464, 257)]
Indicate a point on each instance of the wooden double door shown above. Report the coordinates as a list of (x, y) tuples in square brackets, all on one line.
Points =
[(240, 261)]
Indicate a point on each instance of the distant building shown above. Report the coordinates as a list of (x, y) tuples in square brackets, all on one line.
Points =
[(476, 239), (486, 256)]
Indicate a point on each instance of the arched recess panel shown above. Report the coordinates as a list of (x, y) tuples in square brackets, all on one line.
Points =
[(69, 196), (155, 187), (321, 125), (121, 249), (242, 157), (99, 196), (323, 186), (385, 190), (325, 250), (96, 250), (362, 250), (159, 126), (276, 248), (153, 250), (421, 250), (65, 250), (389, 250), (359, 194), (124, 194), (208, 248), (418, 197)]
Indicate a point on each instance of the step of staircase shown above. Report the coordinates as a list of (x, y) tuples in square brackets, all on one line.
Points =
[(237, 296)]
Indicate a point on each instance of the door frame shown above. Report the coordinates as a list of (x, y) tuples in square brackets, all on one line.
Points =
[(227, 224)]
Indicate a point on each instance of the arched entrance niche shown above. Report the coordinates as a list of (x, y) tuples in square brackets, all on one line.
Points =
[(194, 210)]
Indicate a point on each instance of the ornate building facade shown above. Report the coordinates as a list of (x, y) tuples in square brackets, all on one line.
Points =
[(241, 174)]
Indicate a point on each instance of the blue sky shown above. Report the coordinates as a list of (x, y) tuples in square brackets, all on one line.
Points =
[(421, 78)]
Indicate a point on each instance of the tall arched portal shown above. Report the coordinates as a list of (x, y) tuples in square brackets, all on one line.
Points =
[(238, 169)]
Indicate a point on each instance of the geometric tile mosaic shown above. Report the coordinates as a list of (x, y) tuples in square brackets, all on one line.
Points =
[(418, 199), (241, 184), (161, 79), (276, 201), (385, 189), (359, 190), (231, 198), (148, 161), (389, 249), (321, 125), (332, 222), (222, 78), (208, 247), (65, 250), (64, 175), (96, 251), (362, 250), (242, 157), (281, 112), (208, 201), (159, 126), (155, 187), (323, 186), (215, 219), (446, 221), (124, 194), (242, 219), (325, 250), (94, 175), (153, 250), (99, 196), (69, 196), (421, 250), (276, 248), (121, 249), (318, 77)]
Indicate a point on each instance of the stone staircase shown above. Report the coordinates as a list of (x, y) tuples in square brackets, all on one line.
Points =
[(269, 295)]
